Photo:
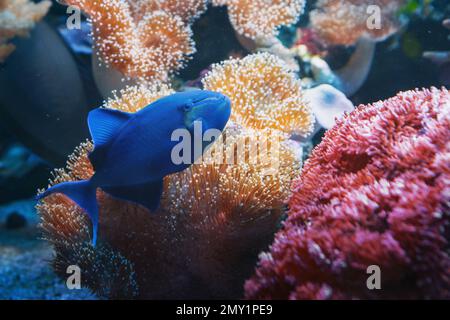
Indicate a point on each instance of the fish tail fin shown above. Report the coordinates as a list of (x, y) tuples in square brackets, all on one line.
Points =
[(82, 193)]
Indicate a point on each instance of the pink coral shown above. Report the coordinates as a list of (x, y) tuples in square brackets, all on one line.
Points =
[(376, 191)]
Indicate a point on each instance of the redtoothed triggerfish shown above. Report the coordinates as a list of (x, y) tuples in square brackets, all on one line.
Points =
[(133, 151)]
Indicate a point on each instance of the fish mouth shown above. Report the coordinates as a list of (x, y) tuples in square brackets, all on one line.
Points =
[(221, 102)]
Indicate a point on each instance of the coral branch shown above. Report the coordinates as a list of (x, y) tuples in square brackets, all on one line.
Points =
[(354, 74)]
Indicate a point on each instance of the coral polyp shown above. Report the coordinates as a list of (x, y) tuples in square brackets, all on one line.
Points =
[(203, 240), (152, 48), (67, 228), (264, 93), (261, 18), (17, 18), (267, 174), (374, 192), (344, 22), (187, 10), (166, 44), (134, 98)]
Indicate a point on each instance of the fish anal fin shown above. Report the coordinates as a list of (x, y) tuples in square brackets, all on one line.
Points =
[(147, 194)]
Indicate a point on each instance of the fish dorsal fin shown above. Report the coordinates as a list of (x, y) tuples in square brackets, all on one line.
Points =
[(104, 124)]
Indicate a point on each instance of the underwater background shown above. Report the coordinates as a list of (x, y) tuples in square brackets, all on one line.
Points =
[(321, 75)]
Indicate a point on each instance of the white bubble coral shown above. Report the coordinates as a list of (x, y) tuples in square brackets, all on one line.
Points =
[(261, 18), (264, 93)]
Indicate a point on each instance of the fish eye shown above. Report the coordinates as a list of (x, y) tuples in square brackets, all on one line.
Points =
[(188, 106)]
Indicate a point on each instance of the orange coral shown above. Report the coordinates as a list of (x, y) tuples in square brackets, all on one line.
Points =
[(240, 183), (263, 92), (213, 220), (187, 10), (261, 18), (67, 228), (17, 18), (152, 48), (344, 22), (133, 98)]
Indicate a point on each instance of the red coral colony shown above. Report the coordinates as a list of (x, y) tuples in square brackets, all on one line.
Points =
[(375, 192)]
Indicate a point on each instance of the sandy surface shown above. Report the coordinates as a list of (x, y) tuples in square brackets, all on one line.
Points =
[(25, 272)]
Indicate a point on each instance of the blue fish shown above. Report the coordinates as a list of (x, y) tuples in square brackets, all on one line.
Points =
[(132, 151)]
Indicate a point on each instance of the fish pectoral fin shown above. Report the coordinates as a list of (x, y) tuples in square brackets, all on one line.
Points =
[(147, 194)]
